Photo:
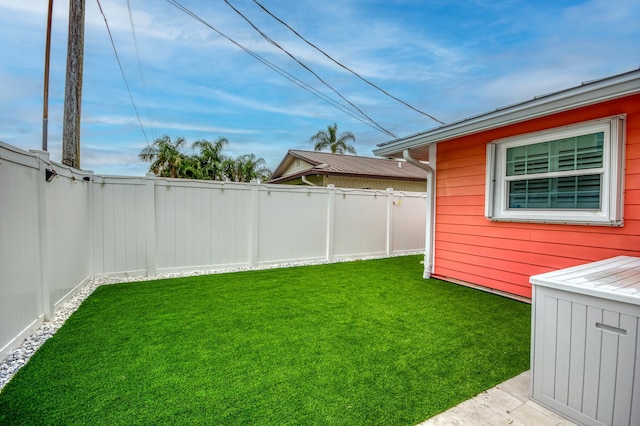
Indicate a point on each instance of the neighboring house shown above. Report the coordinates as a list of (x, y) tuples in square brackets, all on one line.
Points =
[(533, 187), (348, 171)]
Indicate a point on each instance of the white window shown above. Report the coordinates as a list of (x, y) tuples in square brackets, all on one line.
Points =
[(571, 174)]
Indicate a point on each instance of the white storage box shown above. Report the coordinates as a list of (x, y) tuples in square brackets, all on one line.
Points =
[(585, 354)]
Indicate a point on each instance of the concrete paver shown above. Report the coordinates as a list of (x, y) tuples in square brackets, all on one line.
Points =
[(505, 404)]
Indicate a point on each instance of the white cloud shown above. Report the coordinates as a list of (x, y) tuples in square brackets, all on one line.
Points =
[(524, 85), (35, 7), (191, 127), (164, 125), (604, 16)]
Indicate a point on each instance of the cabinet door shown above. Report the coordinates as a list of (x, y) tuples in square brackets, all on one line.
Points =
[(586, 358)]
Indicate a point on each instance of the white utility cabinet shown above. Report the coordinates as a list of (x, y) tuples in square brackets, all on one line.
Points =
[(585, 342)]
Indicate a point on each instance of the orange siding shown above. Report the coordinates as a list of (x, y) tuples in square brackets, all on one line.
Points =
[(503, 255)]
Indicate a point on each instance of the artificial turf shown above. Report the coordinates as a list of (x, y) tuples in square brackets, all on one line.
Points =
[(356, 343)]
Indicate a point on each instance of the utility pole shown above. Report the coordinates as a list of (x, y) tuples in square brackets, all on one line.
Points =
[(45, 103), (73, 87)]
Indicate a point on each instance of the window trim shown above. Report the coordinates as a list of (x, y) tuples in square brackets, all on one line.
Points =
[(611, 206)]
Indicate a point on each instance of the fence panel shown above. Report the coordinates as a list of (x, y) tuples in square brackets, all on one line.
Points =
[(20, 286), (45, 240), (201, 225), (360, 223), (119, 226), (408, 224), (68, 214), (292, 223)]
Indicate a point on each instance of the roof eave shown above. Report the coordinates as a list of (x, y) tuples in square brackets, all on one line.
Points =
[(283, 163), (316, 172), (291, 155), (587, 94)]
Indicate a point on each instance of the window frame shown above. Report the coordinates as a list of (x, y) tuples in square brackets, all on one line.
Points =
[(612, 176)]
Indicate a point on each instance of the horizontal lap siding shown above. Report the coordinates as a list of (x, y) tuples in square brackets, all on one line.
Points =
[(502, 255), (382, 184)]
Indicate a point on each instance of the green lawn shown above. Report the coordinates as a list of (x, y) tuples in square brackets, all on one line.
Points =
[(356, 343)]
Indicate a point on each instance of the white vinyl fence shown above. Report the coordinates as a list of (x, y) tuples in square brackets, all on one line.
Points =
[(56, 235)]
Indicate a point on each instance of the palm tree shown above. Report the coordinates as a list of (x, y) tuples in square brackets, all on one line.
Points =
[(191, 168), (211, 158), (229, 169), (167, 160), (329, 139), (246, 168), (165, 156), (250, 168)]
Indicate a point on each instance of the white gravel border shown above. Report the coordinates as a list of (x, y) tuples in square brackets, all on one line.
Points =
[(10, 365)]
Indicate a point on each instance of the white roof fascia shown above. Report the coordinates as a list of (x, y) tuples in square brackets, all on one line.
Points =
[(587, 94)]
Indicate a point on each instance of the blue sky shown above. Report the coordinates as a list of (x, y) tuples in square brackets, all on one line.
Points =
[(449, 58)]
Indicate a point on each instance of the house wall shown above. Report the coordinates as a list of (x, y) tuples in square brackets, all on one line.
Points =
[(372, 183), (362, 183), (297, 165), (501, 255), (315, 179)]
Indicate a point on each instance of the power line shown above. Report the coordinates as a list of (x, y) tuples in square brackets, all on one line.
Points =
[(344, 66), (309, 69), (274, 67), (142, 79), (122, 72)]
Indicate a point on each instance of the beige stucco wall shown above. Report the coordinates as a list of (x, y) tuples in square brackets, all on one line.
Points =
[(317, 180), (371, 183), (362, 183)]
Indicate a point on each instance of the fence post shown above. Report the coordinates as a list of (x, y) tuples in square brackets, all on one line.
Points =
[(150, 203), (253, 224), (389, 248), (331, 215), (92, 226), (45, 257)]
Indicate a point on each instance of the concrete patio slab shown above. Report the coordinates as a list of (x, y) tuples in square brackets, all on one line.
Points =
[(505, 404)]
